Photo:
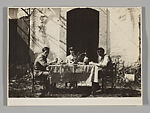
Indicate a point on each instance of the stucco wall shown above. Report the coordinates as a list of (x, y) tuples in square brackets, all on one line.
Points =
[(45, 31), (124, 33), (118, 31), (48, 28)]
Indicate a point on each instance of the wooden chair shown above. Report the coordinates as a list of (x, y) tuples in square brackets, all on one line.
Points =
[(109, 77), (35, 79), (41, 81)]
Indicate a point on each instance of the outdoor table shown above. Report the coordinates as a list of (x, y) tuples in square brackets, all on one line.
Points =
[(71, 73)]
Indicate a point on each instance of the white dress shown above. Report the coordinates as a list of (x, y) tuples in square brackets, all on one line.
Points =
[(70, 59)]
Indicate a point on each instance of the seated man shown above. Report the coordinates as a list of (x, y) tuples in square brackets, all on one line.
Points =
[(104, 63), (40, 65)]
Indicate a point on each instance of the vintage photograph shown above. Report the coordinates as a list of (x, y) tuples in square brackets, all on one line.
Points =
[(74, 52)]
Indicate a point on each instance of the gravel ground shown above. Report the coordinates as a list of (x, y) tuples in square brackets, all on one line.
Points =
[(22, 87)]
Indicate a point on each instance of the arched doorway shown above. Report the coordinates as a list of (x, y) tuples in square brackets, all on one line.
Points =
[(83, 31)]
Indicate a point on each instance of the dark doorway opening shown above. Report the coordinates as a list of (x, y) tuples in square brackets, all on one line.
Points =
[(83, 31)]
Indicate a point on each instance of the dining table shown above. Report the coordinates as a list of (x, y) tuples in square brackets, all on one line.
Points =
[(73, 73)]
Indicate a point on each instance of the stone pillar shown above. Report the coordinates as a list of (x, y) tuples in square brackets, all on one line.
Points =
[(104, 37)]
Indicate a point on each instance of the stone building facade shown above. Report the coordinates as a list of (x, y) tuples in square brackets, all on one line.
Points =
[(118, 30)]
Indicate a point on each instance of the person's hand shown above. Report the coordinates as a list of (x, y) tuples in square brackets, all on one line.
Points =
[(61, 62), (91, 63), (80, 63), (56, 60)]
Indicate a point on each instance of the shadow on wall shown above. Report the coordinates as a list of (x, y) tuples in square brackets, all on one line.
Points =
[(19, 58)]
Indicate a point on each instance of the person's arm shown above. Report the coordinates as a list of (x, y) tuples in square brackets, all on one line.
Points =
[(42, 61), (53, 62), (67, 61), (104, 62)]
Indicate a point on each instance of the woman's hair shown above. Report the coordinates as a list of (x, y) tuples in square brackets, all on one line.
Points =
[(45, 49)]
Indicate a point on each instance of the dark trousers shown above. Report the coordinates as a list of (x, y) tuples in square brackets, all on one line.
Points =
[(95, 85), (45, 80)]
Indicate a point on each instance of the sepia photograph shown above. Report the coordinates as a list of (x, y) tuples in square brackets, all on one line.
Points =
[(69, 54)]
